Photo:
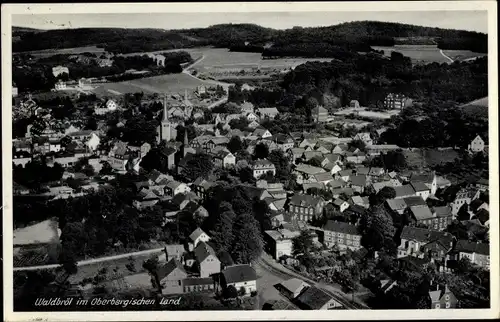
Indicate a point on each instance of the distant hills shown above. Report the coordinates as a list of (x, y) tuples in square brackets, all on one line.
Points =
[(356, 36)]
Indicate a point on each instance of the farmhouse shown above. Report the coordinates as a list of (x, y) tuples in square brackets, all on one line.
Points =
[(477, 145)]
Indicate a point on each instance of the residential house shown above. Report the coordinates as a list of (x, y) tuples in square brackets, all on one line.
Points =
[(374, 150), (355, 157), (224, 159), (477, 253), (442, 298), (291, 288), (172, 251), (359, 183), (341, 234), (59, 70), (404, 191), (421, 215), (354, 104), (323, 178), (197, 236), (304, 173), (396, 101), (195, 210), (483, 184), (442, 217), (198, 285), (413, 238), (333, 168), (421, 189), (415, 201), (464, 196), (253, 125), (306, 207), (261, 167), (340, 205), (476, 145), (269, 112), (429, 179), (345, 175), (206, 260), (279, 242), (319, 114), (364, 137), (246, 107), (360, 201), (262, 133), (377, 186), (173, 188), (201, 187), (313, 298), (242, 277), (145, 198), (251, 117), (284, 141), (170, 277)]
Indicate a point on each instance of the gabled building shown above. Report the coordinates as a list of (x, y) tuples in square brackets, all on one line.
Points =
[(170, 277), (464, 196), (201, 187), (341, 234), (476, 145), (206, 260), (477, 253), (279, 242), (261, 167), (413, 239), (306, 207), (292, 287), (269, 112), (197, 236), (442, 298), (242, 277), (314, 298)]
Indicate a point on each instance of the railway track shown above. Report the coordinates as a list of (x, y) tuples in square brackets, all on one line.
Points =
[(347, 304)]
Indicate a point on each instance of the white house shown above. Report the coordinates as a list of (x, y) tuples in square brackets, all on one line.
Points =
[(270, 112), (173, 188), (197, 236), (58, 70), (251, 117), (477, 145), (263, 166), (241, 276), (93, 142), (364, 137)]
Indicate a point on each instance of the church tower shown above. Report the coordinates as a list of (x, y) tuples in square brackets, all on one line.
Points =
[(165, 129)]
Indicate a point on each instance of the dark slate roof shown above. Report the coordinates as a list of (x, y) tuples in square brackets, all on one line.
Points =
[(202, 251), (482, 215), (414, 201), (197, 281), (239, 273), (405, 190), (305, 200), (169, 267), (468, 247), (341, 227), (359, 180), (443, 211), (425, 235), (419, 186), (313, 298)]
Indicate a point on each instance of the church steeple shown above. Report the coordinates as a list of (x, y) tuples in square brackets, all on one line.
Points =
[(165, 111), (186, 141)]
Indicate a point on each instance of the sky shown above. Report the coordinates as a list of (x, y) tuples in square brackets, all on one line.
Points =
[(463, 20)]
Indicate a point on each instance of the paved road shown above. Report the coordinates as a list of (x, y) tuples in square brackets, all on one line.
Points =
[(91, 261), (444, 55), (282, 271)]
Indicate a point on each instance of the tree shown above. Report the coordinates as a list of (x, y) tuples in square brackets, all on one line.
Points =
[(261, 151), (303, 243), (357, 144), (248, 242), (235, 145), (152, 265), (106, 168), (463, 212), (464, 266), (377, 230), (88, 170), (230, 292), (384, 194), (222, 234), (199, 166)]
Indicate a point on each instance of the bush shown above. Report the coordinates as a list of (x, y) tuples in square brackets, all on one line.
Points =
[(253, 293)]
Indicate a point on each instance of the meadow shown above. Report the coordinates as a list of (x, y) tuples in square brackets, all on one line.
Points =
[(477, 108), (64, 51), (462, 55), (418, 53), (432, 157)]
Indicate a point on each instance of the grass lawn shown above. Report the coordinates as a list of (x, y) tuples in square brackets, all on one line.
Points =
[(462, 54), (417, 53)]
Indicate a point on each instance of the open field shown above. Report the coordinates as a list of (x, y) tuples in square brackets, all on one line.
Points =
[(40, 233), (370, 114), (417, 53), (220, 58), (431, 157), (171, 83), (68, 51), (462, 55), (477, 108)]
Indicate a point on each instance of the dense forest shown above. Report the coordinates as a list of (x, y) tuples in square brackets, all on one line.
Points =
[(355, 35)]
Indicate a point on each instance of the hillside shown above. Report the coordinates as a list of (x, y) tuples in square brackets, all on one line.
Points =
[(357, 36)]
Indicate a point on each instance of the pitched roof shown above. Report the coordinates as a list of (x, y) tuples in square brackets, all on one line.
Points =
[(425, 235), (169, 267), (421, 212), (341, 227), (196, 234), (239, 273), (443, 211), (202, 251), (414, 201), (305, 200), (293, 284), (359, 180), (314, 298), (419, 186), (404, 191), (338, 202), (362, 170), (469, 247), (323, 176)]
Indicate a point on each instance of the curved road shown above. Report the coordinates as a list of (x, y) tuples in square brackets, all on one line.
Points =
[(286, 274), (444, 55), (91, 261)]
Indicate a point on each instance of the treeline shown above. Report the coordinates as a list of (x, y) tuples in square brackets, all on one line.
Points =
[(247, 48), (234, 35), (115, 40), (313, 50)]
